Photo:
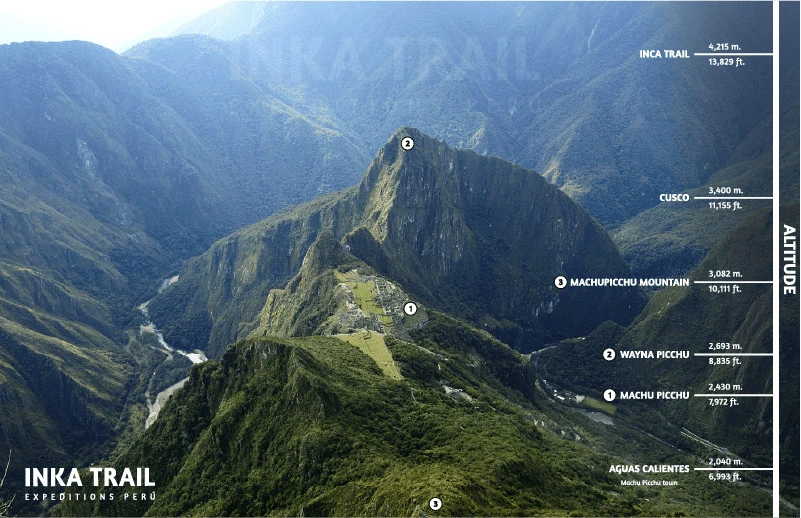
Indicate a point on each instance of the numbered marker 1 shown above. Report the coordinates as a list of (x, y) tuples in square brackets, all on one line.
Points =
[(410, 308), (609, 395)]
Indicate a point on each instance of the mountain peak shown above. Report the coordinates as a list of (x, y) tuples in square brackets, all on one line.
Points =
[(414, 133), (410, 164), (399, 149), (465, 233), (436, 214)]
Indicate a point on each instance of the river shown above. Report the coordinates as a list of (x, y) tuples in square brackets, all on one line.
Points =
[(196, 356)]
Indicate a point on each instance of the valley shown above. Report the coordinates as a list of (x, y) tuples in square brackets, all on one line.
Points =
[(155, 403), (305, 259)]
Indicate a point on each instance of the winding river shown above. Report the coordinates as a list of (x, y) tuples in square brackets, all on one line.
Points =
[(196, 356)]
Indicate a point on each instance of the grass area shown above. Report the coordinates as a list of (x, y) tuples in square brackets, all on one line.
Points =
[(372, 344), (595, 404)]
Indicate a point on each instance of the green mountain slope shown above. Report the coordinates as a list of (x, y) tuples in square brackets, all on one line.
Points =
[(472, 235), (266, 154), (560, 89), (672, 238), (61, 400), (145, 147), (113, 169), (312, 426)]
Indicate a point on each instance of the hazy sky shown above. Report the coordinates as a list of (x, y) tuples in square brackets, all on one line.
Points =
[(111, 23)]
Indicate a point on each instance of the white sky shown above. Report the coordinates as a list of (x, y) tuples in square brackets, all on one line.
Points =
[(112, 23)]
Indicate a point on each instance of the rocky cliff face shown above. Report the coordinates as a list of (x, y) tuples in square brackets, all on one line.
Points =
[(470, 234)]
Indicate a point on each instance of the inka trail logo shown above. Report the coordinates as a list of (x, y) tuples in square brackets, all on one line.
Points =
[(135, 484)]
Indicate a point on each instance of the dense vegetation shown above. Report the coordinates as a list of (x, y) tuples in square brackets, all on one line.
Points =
[(312, 426)]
